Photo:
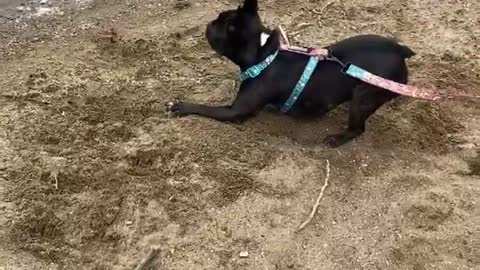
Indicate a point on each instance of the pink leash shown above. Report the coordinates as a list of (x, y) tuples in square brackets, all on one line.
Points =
[(354, 71)]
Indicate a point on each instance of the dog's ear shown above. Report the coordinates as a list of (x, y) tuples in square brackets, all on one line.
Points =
[(271, 45), (250, 6), (273, 40)]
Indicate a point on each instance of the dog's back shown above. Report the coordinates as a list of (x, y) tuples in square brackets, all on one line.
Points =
[(366, 43), (329, 87)]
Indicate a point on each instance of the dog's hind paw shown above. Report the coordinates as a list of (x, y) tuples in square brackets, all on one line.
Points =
[(335, 140)]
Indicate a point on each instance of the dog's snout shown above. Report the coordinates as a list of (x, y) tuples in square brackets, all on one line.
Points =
[(209, 29), (210, 32)]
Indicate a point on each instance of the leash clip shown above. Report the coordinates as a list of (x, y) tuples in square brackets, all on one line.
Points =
[(345, 68)]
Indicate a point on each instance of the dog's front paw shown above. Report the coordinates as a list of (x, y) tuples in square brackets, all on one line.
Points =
[(178, 108)]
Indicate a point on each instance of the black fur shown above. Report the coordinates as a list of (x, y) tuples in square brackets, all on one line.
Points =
[(235, 34)]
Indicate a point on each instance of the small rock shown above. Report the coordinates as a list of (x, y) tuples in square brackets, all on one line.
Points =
[(43, 2), (244, 254), (3, 166), (20, 8), (128, 222)]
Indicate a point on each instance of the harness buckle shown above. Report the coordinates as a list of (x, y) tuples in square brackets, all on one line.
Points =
[(253, 72)]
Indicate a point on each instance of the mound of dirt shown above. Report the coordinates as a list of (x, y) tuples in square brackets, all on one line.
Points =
[(420, 125)]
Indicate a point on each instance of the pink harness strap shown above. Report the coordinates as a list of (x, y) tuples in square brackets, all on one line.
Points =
[(399, 88), (319, 53), (365, 76)]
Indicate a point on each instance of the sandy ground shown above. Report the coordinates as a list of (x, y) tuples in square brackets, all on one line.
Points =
[(93, 171), (17, 10)]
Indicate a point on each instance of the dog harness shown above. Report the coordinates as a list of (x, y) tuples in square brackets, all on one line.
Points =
[(257, 69), (320, 54)]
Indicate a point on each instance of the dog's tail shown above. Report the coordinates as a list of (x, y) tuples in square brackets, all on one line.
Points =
[(405, 51)]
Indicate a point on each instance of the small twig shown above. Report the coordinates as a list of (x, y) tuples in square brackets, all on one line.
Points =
[(319, 198), (327, 5), (284, 35), (150, 256), (304, 25), (323, 8), (391, 33), (11, 41), (55, 177), (300, 28)]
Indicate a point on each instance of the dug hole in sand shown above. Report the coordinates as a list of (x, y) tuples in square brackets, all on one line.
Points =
[(94, 173)]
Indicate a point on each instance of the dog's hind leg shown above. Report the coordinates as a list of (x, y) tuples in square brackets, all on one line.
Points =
[(366, 100)]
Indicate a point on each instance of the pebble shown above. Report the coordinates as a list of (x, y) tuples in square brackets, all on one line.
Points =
[(128, 222), (244, 254), (43, 2)]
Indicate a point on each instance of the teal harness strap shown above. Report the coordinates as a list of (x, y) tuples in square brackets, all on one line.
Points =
[(297, 91), (255, 70)]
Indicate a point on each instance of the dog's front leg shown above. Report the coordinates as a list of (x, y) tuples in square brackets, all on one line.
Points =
[(247, 103), (220, 113)]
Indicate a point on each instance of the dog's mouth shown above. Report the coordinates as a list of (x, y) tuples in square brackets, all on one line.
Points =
[(216, 52), (209, 33), (213, 39)]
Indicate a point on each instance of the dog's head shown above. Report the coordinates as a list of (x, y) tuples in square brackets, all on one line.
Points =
[(237, 34)]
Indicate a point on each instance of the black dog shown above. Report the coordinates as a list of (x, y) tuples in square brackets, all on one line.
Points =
[(237, 35)]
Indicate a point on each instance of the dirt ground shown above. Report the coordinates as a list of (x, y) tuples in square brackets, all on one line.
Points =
[(94, 172)]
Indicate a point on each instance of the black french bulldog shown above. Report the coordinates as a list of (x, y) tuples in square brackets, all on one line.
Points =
[(240, 36)]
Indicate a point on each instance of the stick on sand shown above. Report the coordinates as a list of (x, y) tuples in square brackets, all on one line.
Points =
[(145, 263), (319, 198)]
